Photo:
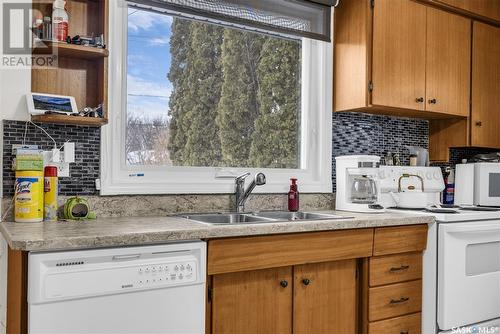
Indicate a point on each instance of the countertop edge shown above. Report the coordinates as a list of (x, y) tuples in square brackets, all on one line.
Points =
[(139, 238)]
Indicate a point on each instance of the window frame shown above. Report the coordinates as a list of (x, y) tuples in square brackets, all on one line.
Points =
[(316, 133)]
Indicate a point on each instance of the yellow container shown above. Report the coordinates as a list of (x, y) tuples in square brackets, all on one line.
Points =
[(28, 197), (50, 194)]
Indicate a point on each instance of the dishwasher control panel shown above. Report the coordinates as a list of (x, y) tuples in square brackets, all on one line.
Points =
[(54, 276), (166, 273)]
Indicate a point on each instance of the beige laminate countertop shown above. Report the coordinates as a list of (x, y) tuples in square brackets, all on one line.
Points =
[(133, 231)]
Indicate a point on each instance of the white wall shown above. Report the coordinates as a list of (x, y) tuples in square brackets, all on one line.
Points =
[(14, 84)]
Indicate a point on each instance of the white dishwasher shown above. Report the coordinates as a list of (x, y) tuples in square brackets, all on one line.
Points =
[(133, 290)]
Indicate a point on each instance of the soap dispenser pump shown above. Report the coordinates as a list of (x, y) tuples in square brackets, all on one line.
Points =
[(293, 196)]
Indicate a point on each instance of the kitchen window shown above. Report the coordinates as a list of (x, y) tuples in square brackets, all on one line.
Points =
[(195, 102)]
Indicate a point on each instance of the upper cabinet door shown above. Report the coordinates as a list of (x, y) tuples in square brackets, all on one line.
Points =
[(485, 86), (253, 302), (448, 63), (486, 8), (325, 298), (398, 72)]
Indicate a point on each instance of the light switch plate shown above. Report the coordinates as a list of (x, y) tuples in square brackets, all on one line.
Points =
[(69, 152)]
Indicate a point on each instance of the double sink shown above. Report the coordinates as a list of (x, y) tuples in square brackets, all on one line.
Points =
[(258, 217)]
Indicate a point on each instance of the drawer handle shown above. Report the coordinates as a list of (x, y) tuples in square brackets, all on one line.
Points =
[(404, 332), (400, 300), (284, 283), (396, 269)]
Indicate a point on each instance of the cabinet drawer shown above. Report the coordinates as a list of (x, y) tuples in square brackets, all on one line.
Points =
[(408, 324), (394, 300), (260, 252), (400, 239), (395, 268)]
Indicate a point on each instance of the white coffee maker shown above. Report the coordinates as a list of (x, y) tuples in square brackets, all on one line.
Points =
[(357, 183)]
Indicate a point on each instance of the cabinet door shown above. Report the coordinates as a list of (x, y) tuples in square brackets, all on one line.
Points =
[(398, 72), (487, 8), (325, 298), (253, 302), (485, 86), (448, 63)]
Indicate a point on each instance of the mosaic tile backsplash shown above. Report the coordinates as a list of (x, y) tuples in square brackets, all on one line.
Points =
[(87, 153), (358, 133), (353, 133)]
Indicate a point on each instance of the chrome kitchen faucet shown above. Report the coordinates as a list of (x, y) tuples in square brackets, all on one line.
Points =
[(241, 193)]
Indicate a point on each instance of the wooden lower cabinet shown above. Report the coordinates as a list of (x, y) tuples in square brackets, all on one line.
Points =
[(352, 281), (253, 302), (317, 298), (324, 298)]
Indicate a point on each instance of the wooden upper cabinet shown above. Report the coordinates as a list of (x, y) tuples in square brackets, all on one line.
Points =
[(401, 58), (485, 86), (253, 302), (398, 69), (325, 298), (486, 8), (448, 63)]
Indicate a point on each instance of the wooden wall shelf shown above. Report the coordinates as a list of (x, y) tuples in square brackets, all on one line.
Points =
[(75, 51), (82, 71), (72, 120)]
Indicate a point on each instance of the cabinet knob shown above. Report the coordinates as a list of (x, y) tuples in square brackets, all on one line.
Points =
[(306, 281), (479, 123), (419, 99), (432, 101), (284, 283)]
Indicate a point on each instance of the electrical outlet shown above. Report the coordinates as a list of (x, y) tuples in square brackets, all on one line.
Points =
[(56, 155), (62, 169)]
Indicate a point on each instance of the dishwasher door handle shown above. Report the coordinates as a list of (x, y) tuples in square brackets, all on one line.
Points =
[(126, 257)]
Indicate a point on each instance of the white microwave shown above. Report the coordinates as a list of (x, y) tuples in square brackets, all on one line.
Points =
[(478, 184)]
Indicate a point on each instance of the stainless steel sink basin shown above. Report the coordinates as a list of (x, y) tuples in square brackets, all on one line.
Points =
[(228, 218), (258, 218), (286, 215)]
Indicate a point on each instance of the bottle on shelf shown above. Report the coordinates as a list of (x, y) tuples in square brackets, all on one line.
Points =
[(60, 21)]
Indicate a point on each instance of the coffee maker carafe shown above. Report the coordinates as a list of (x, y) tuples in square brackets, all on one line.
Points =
[(357, 178), (363, 189)]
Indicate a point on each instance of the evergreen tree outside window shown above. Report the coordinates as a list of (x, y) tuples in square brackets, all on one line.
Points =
[(204, 95)]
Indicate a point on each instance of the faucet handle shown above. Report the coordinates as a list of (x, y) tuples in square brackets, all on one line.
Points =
[(242, 177)]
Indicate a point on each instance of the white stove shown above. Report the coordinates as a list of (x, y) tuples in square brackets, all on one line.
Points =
[(461, 282)]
